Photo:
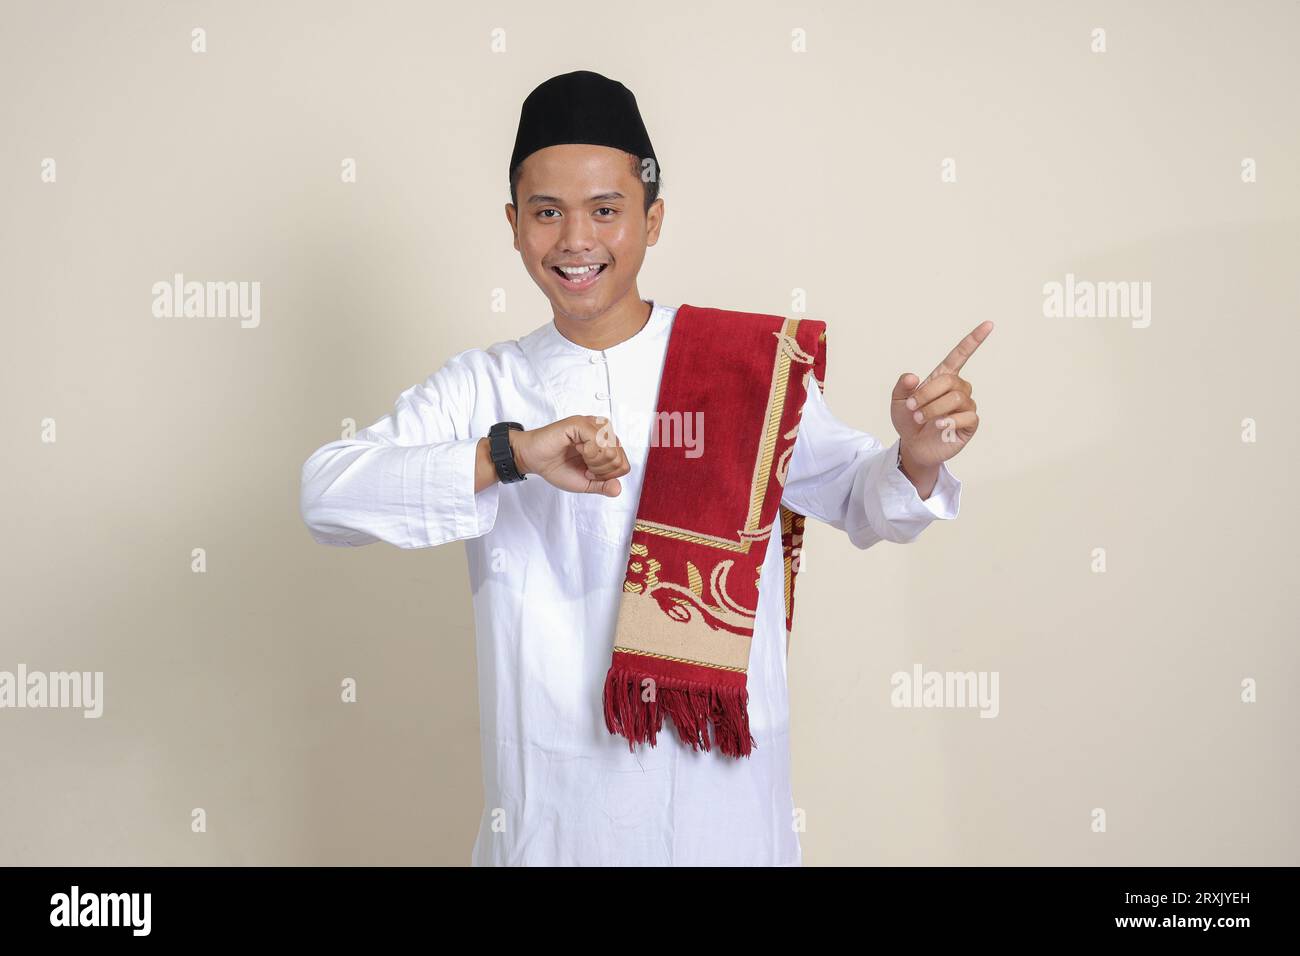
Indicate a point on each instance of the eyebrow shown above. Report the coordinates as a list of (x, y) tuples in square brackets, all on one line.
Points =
[(600, 197)]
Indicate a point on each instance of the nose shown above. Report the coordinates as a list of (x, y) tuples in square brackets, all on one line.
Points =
[(577, 236)]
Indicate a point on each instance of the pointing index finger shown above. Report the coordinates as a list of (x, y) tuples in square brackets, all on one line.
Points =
[(964, 349)]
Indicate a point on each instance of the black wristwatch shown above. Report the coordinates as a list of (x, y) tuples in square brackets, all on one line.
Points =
[(503, 456)]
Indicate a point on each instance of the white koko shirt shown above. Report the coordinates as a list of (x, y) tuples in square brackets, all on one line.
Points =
[(546, 569)]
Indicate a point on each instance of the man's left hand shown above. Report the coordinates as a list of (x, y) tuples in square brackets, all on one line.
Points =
[(935, 417)]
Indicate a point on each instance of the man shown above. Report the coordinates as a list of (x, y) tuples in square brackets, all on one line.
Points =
[(549, 560)]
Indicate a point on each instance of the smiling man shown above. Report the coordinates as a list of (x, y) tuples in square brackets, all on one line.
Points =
[(623, 584)]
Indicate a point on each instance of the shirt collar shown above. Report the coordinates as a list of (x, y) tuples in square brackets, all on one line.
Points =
[(547, 343), (559, 363), (646, 331)]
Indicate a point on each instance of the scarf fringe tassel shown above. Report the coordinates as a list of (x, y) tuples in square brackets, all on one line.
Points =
[(692, 705)]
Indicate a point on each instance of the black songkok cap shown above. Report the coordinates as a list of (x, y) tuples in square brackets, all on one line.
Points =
[(582, 107)]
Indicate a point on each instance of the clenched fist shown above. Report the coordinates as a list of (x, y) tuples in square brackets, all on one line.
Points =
[(580, 454)]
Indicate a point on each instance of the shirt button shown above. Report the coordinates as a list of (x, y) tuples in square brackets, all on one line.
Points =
[(602, 395), (597, 358)]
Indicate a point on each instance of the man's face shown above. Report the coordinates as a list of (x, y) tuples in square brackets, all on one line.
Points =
[(582, 205)]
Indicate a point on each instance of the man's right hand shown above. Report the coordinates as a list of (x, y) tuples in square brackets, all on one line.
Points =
[(580, 454)]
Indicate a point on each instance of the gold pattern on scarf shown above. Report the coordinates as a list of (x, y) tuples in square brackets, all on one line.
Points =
[(721, 631), (787, 351)]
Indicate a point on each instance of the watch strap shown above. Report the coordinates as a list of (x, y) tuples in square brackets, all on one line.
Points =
[(503, 456)]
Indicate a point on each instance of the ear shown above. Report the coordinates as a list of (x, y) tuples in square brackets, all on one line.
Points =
[(654, 218), (511, 213)]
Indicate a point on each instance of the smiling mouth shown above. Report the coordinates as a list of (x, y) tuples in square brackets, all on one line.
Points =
[(580, 280)]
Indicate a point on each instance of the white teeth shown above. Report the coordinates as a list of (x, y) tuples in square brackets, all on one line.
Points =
[(578, 270)]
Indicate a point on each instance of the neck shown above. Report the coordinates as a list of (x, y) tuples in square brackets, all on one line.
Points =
[(616, 324)]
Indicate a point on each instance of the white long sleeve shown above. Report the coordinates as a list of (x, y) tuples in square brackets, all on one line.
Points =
[(850, 480), (546, 574), (409, 478)]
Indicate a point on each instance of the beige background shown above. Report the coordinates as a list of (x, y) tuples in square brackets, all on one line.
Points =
[(782, 171)]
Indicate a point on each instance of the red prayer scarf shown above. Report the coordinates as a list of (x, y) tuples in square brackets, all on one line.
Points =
[(690, 595)]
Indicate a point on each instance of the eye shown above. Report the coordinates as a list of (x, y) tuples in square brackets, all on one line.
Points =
[(540, 214), (607, 208)]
